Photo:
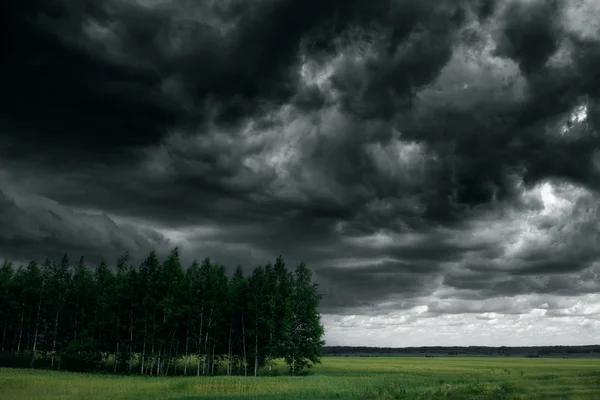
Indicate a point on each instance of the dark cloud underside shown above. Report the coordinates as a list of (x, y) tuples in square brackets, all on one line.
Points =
[(406, 149)]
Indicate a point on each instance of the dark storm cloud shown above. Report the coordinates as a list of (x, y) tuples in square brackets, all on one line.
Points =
[(63, 96), (107, 76), (530, 33), (507, 135), (125, 73), (356, 285), (36, 228), (373, 169), (480, 286)]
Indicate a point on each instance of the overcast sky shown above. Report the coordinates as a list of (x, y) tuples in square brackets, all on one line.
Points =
[(436, 163)]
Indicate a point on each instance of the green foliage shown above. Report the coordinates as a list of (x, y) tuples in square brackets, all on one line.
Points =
[(152, 319), (81, 354), (306, 344)]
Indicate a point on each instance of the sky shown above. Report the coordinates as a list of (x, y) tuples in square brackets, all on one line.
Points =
[(436, 163)]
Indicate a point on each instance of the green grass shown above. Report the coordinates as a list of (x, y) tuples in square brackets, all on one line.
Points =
[(459, 378)]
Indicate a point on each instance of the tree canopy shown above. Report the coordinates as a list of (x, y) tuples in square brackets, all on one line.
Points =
[(159, 318)]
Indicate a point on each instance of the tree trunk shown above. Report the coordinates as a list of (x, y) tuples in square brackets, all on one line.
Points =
[(37, 326), (153, 340), (158, 360), (170, 353), (29, 332), (3, 337), (270, 356), (144, 347), (116, 361), (198, 361), (229, 348), (176, 357), (28, 338), (21, 328), (130, 340), (168, 361), (187, 359), (206, 347), (205, 358), (82, 314), (256, 347), (96, 324), (76, 319), (212, 366), (244, 346), (199, 341), (54, 340)]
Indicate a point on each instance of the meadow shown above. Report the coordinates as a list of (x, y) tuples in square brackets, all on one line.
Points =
[(461, 378)]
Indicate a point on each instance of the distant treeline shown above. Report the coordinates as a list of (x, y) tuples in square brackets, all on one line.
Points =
[(158, 319), (534, 351)]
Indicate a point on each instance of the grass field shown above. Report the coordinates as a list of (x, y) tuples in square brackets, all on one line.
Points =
[(336, 378)]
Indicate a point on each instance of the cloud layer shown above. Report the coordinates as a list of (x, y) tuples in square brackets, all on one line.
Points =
[(440, 156)]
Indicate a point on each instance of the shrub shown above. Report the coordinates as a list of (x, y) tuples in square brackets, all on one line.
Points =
[(81, 354)]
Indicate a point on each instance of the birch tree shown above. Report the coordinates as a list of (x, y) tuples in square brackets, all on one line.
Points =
[(306, 331)]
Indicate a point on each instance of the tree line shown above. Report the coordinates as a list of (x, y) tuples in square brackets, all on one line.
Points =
[(507, 351), (159, 318)]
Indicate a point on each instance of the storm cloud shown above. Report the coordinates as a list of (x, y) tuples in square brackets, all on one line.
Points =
[(434, 162)]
